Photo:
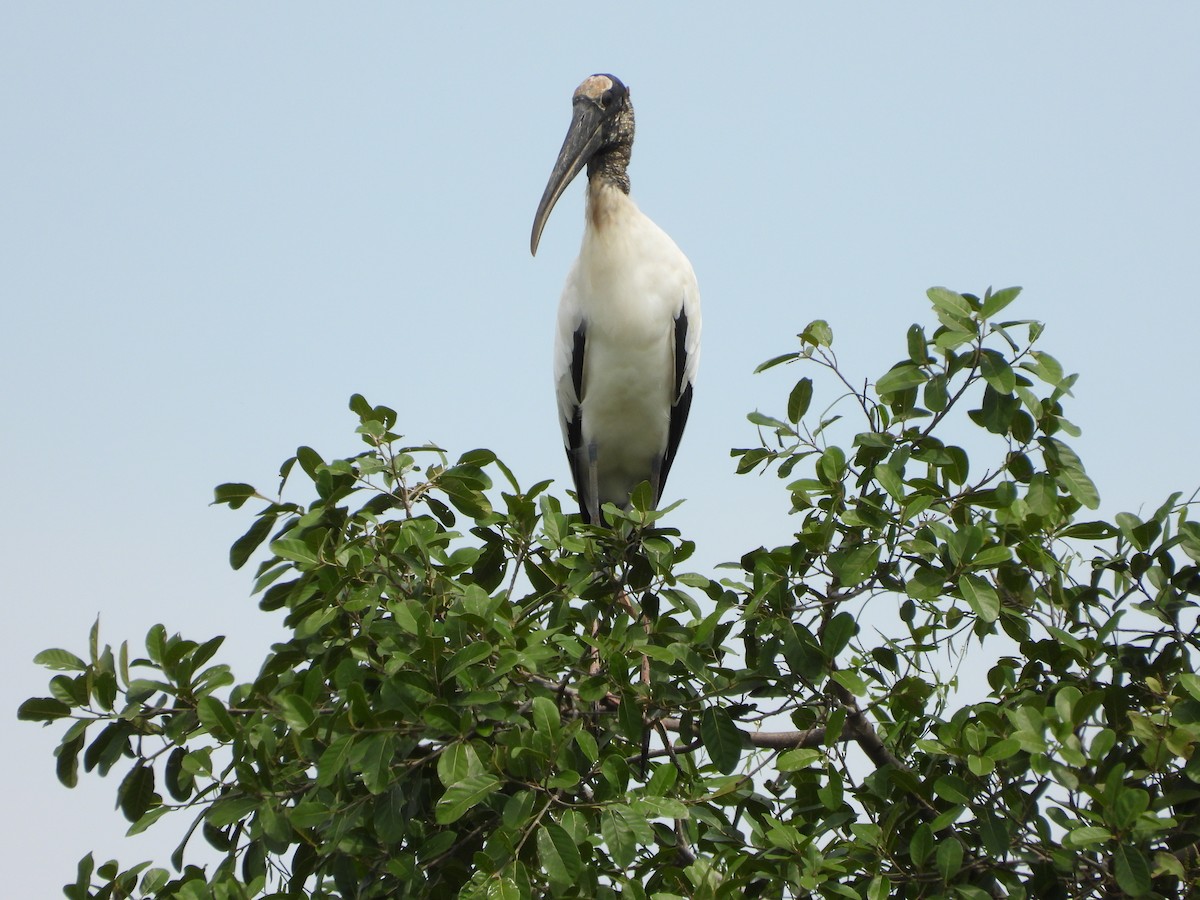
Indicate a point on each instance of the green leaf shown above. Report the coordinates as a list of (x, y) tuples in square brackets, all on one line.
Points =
[(296, 551), (1131, 527), (949, 857), (721, 738), (953, 789), (151, 816), (156, 643), (917, 345), (1068, 640), (458, 761), (618, 837), (1045, 367), (854, 566), (179, 783), (997, 411), (1190, 683), (235, 494), (154, 880), (981, 596), (1168, 864), (880, 888), (890, 481), (832, 465), (1091, 531), (936, 396), (799, 399), (83, 881), (1130, 804), (792, 760), (851, 681), (297, 712), (831, 793), (838, 632), (109, 745), (1068, 470), (60, 660), (1042, 496), (775, 361), (229, 810), (215, 718), (558, 853), (900, 377), (952, 339), (1064, 703), (1086, 837), (310, 461), (950, 302), (997, 301), (959, 465), (759, 418), (1133, 873), (66, 766), (372, 757), (462, 797), (994, 832), (997, 372), (136, 792), (586, 742), (503, 888), (333, 760), (42, 709), (244, 546), (471, 655), (1189, 539), (546, 717), (920, 845), (390, 819), (818, 333), (926, 584)]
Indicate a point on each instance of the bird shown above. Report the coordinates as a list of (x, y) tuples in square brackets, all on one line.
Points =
[(627, 339)]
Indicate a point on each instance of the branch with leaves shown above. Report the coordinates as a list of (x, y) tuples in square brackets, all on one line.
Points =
[(461, 709)]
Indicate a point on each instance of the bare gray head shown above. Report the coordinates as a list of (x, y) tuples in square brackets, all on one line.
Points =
[(600, 136)]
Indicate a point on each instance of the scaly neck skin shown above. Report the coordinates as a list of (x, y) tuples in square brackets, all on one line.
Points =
[(608, 176), (609, 164), (608, 184), (609, 167)]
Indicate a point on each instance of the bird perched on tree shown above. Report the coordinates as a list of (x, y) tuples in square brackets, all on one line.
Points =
[(628, 339)]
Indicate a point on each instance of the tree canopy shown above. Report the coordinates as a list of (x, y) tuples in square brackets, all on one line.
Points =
[(482, 697)]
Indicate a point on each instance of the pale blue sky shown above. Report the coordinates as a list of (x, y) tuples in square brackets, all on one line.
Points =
[(220, 221)]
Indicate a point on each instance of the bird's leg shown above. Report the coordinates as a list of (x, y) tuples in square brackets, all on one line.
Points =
[(594, 666), (656, 480), (594, 484), (623, 599)]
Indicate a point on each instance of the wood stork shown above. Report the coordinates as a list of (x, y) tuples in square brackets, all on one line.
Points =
[(627, 343)]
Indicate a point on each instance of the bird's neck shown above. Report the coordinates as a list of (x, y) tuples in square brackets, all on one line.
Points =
[(608, 184), (607, 201), (610, 166)]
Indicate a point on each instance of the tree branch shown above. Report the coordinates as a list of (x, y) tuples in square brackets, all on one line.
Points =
[(771, 740)]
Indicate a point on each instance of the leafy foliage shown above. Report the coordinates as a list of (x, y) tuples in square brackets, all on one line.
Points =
[(481, 697)]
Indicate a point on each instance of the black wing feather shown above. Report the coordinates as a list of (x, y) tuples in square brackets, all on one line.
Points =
[(576, 454), (682, 405)]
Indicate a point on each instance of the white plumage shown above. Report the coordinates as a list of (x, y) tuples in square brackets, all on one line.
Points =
[(627, 344)]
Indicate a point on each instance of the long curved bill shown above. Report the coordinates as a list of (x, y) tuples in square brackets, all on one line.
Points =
[(582, 140)]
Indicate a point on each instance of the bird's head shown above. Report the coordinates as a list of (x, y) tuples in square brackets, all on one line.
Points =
[(601, 127)]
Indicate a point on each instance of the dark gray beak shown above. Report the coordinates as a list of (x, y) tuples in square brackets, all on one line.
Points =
[(583, 139)]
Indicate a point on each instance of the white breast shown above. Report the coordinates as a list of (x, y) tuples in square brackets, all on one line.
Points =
[(628, 286)]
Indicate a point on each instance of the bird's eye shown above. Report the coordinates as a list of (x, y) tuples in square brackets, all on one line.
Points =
[(606, 99)]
